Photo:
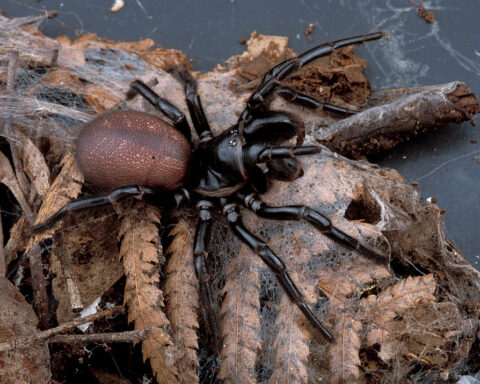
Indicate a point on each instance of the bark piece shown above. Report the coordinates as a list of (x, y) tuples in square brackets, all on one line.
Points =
[(384, 126)]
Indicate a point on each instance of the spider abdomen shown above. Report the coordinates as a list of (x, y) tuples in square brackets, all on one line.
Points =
[(123, 148)]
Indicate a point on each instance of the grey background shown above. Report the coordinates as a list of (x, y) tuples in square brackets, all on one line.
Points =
[(417, 54)]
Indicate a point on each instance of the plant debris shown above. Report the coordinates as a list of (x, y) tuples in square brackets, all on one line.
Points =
[(410, 316), (309, 29), (428, 16)]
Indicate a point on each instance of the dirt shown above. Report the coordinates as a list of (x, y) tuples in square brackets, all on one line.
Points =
[(428, 16), (309, 29), (337, 79)]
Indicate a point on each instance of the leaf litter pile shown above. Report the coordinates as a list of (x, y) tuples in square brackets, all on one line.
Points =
[(110, 295)]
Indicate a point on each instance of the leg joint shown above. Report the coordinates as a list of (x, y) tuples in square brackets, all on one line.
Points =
[(271, 259)]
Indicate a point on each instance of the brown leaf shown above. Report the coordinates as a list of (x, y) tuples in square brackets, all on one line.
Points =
[(291, 345), (7, 177), (84, 258), (28, 365), (240, 319), (142, 257), (67, 186), (34, 165), (380, 312), (345, 359), (395, 300), (181, 288)]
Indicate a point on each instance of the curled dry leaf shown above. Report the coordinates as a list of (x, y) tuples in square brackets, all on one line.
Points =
[(141, 253), (67, 186), (387, 123), (17, 319), (35, 166), (8, 178), (181, 289)]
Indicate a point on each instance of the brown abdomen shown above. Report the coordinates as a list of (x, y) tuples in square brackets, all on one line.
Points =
[(122, 148)]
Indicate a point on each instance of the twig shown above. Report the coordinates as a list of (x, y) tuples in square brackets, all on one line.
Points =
[(23, 342), (24, 21), (112, 337), (12, 136), (39, 285), (384, 126), (74, 295), (3, 267)]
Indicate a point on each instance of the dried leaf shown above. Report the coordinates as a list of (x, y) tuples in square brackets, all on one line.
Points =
[(361, 273), (344, 353), (66, 187), (86, 254), (429, 331), (181, 288), (7, 177), (34, 165), (240, 319), (17, 318), (142, 257), (395, 300), (19, 236), (291, 345), (345, 359)]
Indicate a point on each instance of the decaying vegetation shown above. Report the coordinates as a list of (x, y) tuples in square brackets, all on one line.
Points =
[(415, 318)]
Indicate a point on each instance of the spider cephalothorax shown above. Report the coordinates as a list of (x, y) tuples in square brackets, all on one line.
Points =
[(133, 154)]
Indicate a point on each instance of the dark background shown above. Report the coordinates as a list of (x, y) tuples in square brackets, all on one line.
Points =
[(418, 53)]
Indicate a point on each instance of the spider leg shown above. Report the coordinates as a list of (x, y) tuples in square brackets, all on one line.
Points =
[(113, 197), (200, 253), (302, 212), (274, 263), (260, 97), (91, 202), (194, 103), (309, 102), (163, 105)]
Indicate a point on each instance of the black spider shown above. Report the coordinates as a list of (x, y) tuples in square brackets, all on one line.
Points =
[(136, 154)]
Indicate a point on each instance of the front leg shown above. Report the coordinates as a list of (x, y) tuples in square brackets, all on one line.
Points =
[(260, 98)]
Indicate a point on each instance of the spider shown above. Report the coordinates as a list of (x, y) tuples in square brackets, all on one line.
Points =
[(135, 154)]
